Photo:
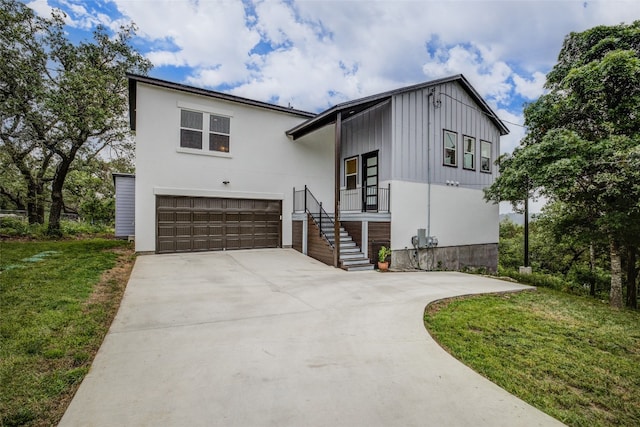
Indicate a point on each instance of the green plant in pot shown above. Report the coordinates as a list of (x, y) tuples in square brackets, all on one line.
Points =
[(383, 254)]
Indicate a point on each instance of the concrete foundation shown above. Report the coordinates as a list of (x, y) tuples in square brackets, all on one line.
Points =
[(450, 258)]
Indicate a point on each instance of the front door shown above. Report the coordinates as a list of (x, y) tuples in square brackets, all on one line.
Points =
[(370, 181)]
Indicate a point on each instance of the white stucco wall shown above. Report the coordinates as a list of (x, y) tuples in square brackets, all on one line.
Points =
[(459, 216), (263, 163)]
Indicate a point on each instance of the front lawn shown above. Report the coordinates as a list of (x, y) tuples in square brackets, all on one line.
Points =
[(572, 357), (57, 301)]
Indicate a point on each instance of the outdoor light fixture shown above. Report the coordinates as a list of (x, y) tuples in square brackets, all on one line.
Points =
[(225, 182)]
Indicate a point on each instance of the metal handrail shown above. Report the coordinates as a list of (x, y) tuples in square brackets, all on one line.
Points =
[(355, 200), (307, 202)]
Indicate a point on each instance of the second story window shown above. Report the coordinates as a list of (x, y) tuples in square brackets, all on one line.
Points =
[(219, 133), (469, 159), (208, 132), (485, 156), (450, 148), (351, 173), (190, 129)]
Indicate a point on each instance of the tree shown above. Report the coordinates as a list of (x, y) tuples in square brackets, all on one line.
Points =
[(71, 104), (582, 147)]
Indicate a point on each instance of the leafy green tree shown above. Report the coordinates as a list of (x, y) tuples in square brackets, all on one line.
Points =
[(69, 106), (583, 142)]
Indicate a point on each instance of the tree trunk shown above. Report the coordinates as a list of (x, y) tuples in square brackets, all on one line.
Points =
[(35, 201), (615, 297), (632, 275), (57, 202)]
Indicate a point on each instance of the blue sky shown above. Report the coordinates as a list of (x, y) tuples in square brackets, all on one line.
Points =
[(315, 54)]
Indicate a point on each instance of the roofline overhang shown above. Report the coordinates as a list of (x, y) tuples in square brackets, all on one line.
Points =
[(328, 117), (134, 79)]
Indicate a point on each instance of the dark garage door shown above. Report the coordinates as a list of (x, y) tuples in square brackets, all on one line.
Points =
[(188, 224)]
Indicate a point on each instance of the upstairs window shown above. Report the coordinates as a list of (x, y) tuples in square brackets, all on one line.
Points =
[(197, 128), (219, 133), (469, 159), (351, 173), (450, 148), (190, 129), (485, 156)]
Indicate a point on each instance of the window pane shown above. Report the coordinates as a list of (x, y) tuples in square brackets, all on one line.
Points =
[(450, 148), (485, 156), (219, 124), (372, 161), (190, 119), (486, 149), (190, 139), (218, 142), (351, 182), (449, 140), (468, 161), (352, 166)]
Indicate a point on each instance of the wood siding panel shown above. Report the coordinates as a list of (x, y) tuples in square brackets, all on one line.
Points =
[(418, 125), (317, 247), (296, 241), (354, 228), (379, 235), (125, 187), (366, 132)]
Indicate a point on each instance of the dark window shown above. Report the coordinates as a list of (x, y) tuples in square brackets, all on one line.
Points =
[(219, 129), (218, 142), (190, 129), (190, 139), (351, 173)]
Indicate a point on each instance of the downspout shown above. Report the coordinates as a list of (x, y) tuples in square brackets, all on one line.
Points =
[(431, 94), (429, 99), (336, 197)]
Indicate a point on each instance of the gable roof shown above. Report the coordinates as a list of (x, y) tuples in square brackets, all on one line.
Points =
[(134, 79), (358, 105)]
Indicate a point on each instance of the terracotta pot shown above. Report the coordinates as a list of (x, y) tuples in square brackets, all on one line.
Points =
[(383, 266)]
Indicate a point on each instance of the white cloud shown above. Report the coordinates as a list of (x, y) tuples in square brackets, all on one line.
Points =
[(316, 53), (530, 89)]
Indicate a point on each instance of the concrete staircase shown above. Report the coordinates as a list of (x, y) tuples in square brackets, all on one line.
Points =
[(351, 256)]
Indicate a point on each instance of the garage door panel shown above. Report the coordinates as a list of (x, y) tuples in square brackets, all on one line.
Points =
[(198, 224)]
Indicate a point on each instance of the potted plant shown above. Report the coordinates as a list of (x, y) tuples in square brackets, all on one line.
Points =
[(383, 253)]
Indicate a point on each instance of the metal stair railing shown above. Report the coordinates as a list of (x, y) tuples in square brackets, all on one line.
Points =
[(306, 202)]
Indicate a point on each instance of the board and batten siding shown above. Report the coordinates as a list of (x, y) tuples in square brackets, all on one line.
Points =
[(419, 119), (125, 186), (366, 132)]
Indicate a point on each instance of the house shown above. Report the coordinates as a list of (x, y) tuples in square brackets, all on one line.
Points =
[(404, 169)]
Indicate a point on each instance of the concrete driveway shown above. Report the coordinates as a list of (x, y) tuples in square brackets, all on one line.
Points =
[(274, 338)]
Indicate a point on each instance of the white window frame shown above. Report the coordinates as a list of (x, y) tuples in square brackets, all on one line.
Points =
[(466, 153), (488, 158), (347, 175), (445, 149), (207, 112)]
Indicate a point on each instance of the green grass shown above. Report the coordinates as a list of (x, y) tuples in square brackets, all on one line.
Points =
[(55, 311), (572, 357)]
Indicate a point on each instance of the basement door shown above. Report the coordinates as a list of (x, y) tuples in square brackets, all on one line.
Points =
[(191, 224)]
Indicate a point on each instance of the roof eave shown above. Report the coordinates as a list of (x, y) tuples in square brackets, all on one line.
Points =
[(136, 78)]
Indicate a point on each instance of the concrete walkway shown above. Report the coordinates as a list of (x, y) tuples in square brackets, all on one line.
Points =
[(273, 338)]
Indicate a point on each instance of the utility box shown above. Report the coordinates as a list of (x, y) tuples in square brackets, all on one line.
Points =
[(422, 238)]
